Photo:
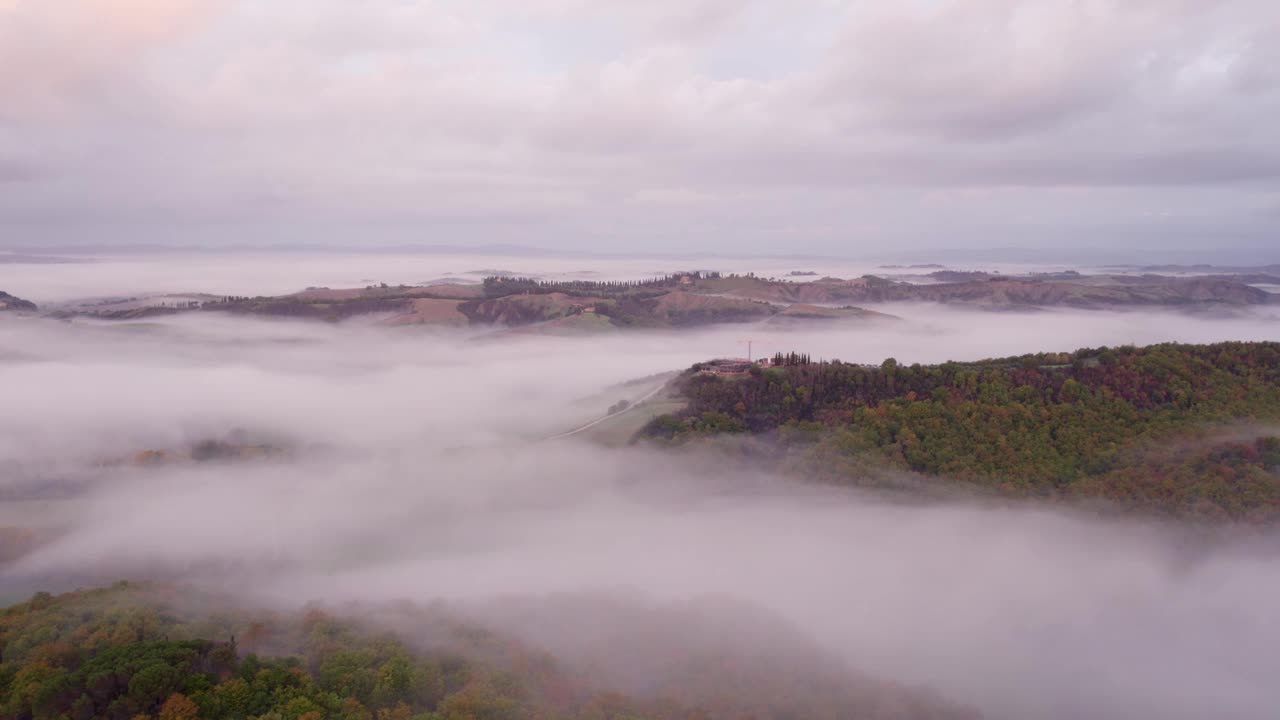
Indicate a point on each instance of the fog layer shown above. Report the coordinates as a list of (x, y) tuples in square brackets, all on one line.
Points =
[(417, 468)]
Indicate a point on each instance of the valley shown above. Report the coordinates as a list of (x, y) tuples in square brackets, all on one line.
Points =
[(534, 462)]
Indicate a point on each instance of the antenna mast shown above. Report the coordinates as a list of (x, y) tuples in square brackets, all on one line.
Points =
[(750, 342)]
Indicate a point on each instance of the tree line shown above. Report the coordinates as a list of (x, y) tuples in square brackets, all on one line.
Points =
[(498, 285)]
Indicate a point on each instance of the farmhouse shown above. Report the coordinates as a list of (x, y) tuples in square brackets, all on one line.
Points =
[(725, 366)]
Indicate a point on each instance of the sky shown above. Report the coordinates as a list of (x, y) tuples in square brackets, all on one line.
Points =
[(832, 127)]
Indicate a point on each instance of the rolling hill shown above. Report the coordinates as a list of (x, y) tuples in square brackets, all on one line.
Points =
[(134, 651), (1186, 430), (692, 299)]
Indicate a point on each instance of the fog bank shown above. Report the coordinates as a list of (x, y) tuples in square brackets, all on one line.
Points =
[(416, 468)]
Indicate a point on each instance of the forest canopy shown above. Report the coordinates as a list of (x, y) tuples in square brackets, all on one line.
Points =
[(1082, 424), (159, 652)]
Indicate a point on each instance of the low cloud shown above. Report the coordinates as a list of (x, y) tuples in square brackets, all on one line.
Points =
[(419, 471)]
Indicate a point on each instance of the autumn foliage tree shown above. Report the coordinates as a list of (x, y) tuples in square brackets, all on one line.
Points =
[(1061, 424)]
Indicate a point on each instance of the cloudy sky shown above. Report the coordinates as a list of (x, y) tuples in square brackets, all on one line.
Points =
[(807, 126)]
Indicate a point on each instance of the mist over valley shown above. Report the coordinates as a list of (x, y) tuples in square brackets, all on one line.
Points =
[(290, 463), (664, 360)]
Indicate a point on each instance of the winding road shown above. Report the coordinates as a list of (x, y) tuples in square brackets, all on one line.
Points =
[(597, 421)]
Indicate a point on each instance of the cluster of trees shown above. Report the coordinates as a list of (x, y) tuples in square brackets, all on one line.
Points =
[(499, 285), (789, 359), (1041, 423), (1212, 478), (121, 654)]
